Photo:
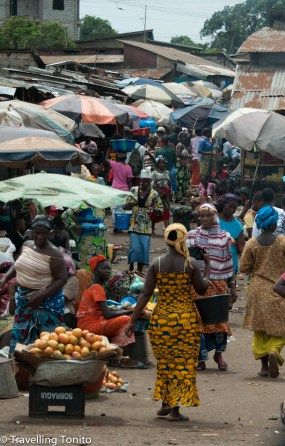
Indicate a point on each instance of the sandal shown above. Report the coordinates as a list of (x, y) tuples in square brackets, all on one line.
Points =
[(201, 366), (164, 411), (222, 365)]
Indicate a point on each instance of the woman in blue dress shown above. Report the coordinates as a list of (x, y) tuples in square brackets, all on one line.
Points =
[(227, 208)]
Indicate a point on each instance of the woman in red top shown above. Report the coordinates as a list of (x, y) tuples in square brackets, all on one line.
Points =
[(94, 314)]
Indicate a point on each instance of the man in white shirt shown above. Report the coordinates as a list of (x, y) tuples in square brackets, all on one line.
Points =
[(195, 158), (268, 198)]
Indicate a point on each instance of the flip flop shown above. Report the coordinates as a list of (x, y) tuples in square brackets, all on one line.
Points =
[(282, 414), (180, 418), (164, 411)]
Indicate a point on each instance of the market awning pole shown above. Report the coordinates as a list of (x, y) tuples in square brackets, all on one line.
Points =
[(256, 171)]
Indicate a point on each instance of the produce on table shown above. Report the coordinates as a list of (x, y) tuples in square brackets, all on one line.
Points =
[(112, 381), (68, 344)]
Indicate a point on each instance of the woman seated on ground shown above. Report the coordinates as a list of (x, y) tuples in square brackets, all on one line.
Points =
[(94, 314), (40, 275)]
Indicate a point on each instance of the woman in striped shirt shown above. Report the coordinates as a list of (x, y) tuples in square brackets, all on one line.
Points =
[(217, 243)]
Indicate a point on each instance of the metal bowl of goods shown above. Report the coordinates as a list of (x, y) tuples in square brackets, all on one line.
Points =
[(123, 145)]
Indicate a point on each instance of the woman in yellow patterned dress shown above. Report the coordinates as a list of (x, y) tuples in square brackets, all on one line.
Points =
[(175, 325)]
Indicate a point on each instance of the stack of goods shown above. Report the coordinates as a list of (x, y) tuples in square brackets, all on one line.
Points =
[(112, 381)]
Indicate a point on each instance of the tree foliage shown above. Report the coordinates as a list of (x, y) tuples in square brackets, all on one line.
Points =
[(93, 27), (231, 26), (184, 40), (22, 33)]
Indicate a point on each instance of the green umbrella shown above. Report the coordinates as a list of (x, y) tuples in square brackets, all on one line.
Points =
[(61, 190)]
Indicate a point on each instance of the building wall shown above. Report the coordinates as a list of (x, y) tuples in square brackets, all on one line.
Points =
[(139, 58), (69, 17), (16, 59), (267, 59), (43, 10), (28, 8), (4, 10), (162, 62)]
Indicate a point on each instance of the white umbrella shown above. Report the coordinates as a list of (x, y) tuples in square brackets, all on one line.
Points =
[(250, 128), (19, 113), (61, 190), (148, 92), (159, 112)]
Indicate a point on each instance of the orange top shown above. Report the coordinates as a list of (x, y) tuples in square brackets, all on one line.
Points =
[(89, 305)]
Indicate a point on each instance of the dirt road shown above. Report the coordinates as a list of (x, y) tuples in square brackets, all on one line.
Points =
[(237, 407)]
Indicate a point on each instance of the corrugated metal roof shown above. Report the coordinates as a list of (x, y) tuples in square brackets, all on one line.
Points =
[(151, 73), (171, 53), (259, 87), (204, 71), (266, 40), (84, 59)]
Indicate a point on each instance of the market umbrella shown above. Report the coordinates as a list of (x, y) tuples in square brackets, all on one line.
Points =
[(159, 112), (149, 92), (204, 86), (249, 128), (34, 151), (133, 112), (7, 133), (203, 112), (19, 113), (91, 130), (61, 190), (87, 109)]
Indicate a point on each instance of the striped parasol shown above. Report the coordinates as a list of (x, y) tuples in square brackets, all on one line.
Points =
[(88, 109)]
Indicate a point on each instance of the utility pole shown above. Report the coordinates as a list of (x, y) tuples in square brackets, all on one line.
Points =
[(145, 14)]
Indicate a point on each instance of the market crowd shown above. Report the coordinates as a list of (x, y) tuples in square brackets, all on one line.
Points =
[(56, 264)]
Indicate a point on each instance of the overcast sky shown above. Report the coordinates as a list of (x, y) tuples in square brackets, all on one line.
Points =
[(167, 17)]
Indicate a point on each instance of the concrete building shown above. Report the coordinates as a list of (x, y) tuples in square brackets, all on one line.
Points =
[(65, 12)]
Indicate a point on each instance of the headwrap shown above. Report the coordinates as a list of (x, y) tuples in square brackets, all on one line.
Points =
[(267, 216), (180, 242), (41, 220), (160, 158), (212, 209), (94, 261)]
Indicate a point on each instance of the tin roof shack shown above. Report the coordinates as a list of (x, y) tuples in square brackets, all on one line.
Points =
[(113, 44), (183, 66), (260, 83), (260, 72)]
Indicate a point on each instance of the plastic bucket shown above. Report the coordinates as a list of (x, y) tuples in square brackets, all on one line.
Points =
[(214, 309), (122, 220), (123, 145)]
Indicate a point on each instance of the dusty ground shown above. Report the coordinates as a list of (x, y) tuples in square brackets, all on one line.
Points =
[(237, 407)]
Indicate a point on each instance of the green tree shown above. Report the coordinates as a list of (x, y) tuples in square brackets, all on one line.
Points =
[(22, 33), (93, 27), (184, 40), (231, 26)]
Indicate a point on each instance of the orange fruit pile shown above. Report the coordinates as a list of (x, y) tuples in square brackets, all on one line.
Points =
[(68, 344)]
